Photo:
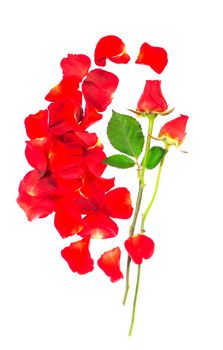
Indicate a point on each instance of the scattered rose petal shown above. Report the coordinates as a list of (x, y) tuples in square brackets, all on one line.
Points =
[(110, 47), (78, 257), (109, 262), (139, 247), (155, 57)]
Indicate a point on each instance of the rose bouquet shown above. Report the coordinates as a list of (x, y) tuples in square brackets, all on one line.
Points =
[(68, 161)]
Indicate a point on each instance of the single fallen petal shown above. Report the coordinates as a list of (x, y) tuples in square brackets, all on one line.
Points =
[(110, 47), (78, 257), (155, 57), (109, 262), (139, 247)]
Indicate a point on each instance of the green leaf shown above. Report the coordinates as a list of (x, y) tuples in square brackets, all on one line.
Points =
[(155, 156), (125, 134), (119, 161)]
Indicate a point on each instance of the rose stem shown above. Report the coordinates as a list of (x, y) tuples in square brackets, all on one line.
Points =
[(144, 216), (151, 118)]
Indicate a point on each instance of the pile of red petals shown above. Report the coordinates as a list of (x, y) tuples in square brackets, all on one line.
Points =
[(67, 160)]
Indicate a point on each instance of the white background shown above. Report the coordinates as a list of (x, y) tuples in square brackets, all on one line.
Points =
[(43, 305)]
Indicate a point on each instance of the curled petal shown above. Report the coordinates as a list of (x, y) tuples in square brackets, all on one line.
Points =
[(99, 226), (37, 124), (78, 257), (75, 66), (118, 204), (155, 57), (175, 129), (152, 99), (109, 262), (98, 88), (139, 247), (110, 47)]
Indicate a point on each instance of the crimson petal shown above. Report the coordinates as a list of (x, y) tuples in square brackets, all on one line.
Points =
[(117, 203), (37, 153), (109, 262), (37, 124), (67, 219), (36, 195), (139, 247), (66, 90), (155, 57), (64, 117), (99, 226), (78, 257), (98, 88), (110, 47), (76, 66)]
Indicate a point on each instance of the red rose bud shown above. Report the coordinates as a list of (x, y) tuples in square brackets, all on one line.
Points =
[(109, 262), (139, 247), (110, 47), (78, 257), (173, 132), (155, 57), (152, 99)]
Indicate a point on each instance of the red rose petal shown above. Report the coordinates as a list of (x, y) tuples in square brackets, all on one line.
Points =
[(37, 124), (64, 117), (90, 117), (152, 98), (93, 161), (139, 247), (68, 220), (98, 88), (66, 90), (34, 206), (78, 257), (65, 160), (37, 153), (110, 47), (117, 203), (99, 226), (155, 57), (76, 66), (36, 195), (175, 128), (89, 140), (109, 262)]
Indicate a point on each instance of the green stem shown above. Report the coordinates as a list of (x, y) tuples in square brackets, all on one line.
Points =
[(144, 216), (135, 301), (138, 200)]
